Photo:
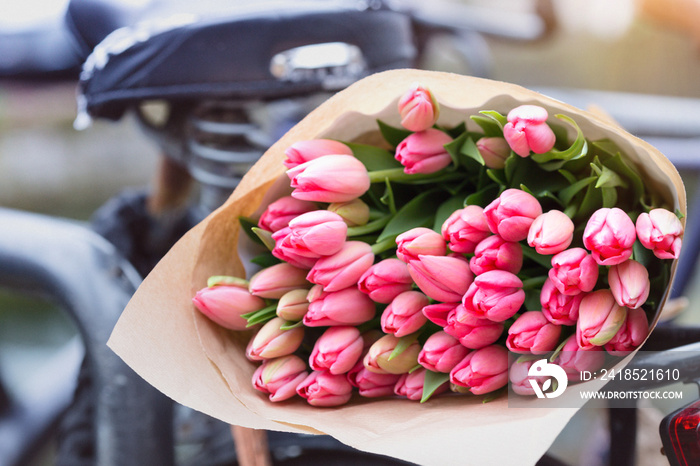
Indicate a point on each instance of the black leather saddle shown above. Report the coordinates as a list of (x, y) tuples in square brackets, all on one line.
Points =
[(263, 49)]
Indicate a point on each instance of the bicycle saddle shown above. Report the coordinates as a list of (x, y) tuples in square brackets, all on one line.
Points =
[(183, 51)]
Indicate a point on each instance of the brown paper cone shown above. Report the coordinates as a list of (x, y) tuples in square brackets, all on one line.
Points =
[(203, 366)]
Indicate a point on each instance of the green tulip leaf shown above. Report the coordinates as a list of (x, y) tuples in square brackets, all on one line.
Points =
[(392, 134), (247, 225), (499, 119), (418, 212), (373, 158), (403, 344), (446, 209), (567, 194), (433, 381), (265, 260), (484, 196), (491, 127), (265, 237), (578, 149)]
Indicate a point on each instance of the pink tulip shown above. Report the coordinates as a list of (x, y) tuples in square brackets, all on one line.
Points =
[(573, 271), (442, 278), (437, 313), (337, 350), (354, 213), (465, 228), (419, 241), (660, 231), (629, 283), (225, 304), (278, 214), (599, 319), (527, 130), (551, 232), (325, 389), (609, 235), (557, 307), (344, 268), (418, 109), (318, 233), (574, 360), (441, 352), (285, 250), (482, 371), (532, 333), (424, 152), (304, 151), (520, 379), (512, 213), (404, 315), (371, 384), (274, 281), (495, 253), (378, 359), (411, 385), (494, 151), (280, 377), (345, 307), (273, 342), (293, 305), (495, 295), (331, 178), (471, 331), (630, 335), (385, 280)]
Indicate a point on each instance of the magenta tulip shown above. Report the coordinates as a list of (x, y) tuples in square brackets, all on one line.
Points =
[(442, 278), (437, 313), (495, 253), (404, 315), (512, 213), (331, 178), (344, 268), (532, 333), (482, 371), (599, 319), (278, 214), (280, 377), (304, 151), (527, 130), (441, 352), (272, 342), (325, 389), (557, 307), (465, 228), (293, 305), (495, 295), (629, 283), (424, 152), (609, 235), (418, 108), (225, 304), (551, 232), (660, 231), (345, 307), (630, 335), (574, 271), (419, 241), (337, 350), (471, 331), (385, 280)]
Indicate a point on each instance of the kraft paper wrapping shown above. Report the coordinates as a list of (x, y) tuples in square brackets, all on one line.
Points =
[(200, 365)]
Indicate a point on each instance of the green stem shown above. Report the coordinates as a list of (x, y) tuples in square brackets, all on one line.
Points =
[(534, 282), (384, 245), (370, 227), (397, 174), (390, 174)]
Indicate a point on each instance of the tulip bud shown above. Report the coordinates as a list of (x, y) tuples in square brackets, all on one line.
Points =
[(274, 281), (495, 253), (325, 389), (471, 331), (482, 371), (532, 333), (599, 319), (304, 151), (404, 315), (344, 268), (519, 377), (345, 307), (280, 377), (337, 350), (371, 384), (286, 250), (331, 178), (293, 305), (551, 232), (660, 231), (495, 295), (527, 130), (378, 359), (573, 271), (494, 151), (225, 305), (318, 233), (442, 278), (512, 213), (609, 235), (557, 307), (630, 335), (574, 360), (629, 283), (438, 313), (465, 228), (273, 342), (354, 213), (419, 241), (441, 352), (278, 214), (418, 108), (411, 385), (424, 152), (385, 280)]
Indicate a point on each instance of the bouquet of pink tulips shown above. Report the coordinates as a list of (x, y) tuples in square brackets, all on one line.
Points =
[(403, 242), (413, 266)]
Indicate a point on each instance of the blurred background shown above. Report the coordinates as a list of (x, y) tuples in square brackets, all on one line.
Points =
[(629, 46)]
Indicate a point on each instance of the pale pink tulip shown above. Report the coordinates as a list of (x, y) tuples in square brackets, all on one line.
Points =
[(278, 214), (419, 241), (304, 151), (424, 152), (354, 213), (345, 307), (532, 333), (273, 342), (495, 253), (370, 384), (331, 178), (527, 130), (511, 214), (630, 335), (293, 305), (385, 280), (325, 389), (441, 352), (551, 232), (337, 350), (442, 278), (599, 319), (344, 268), (495, 295), (280, 377), (660, 231), (404, 315), (378, 359), (629, 283), (574, 360), (418, 108), (225, 304), (465, 228), (609, 235), (519, 377), (494, 151), (274, 281), (482, 371)]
